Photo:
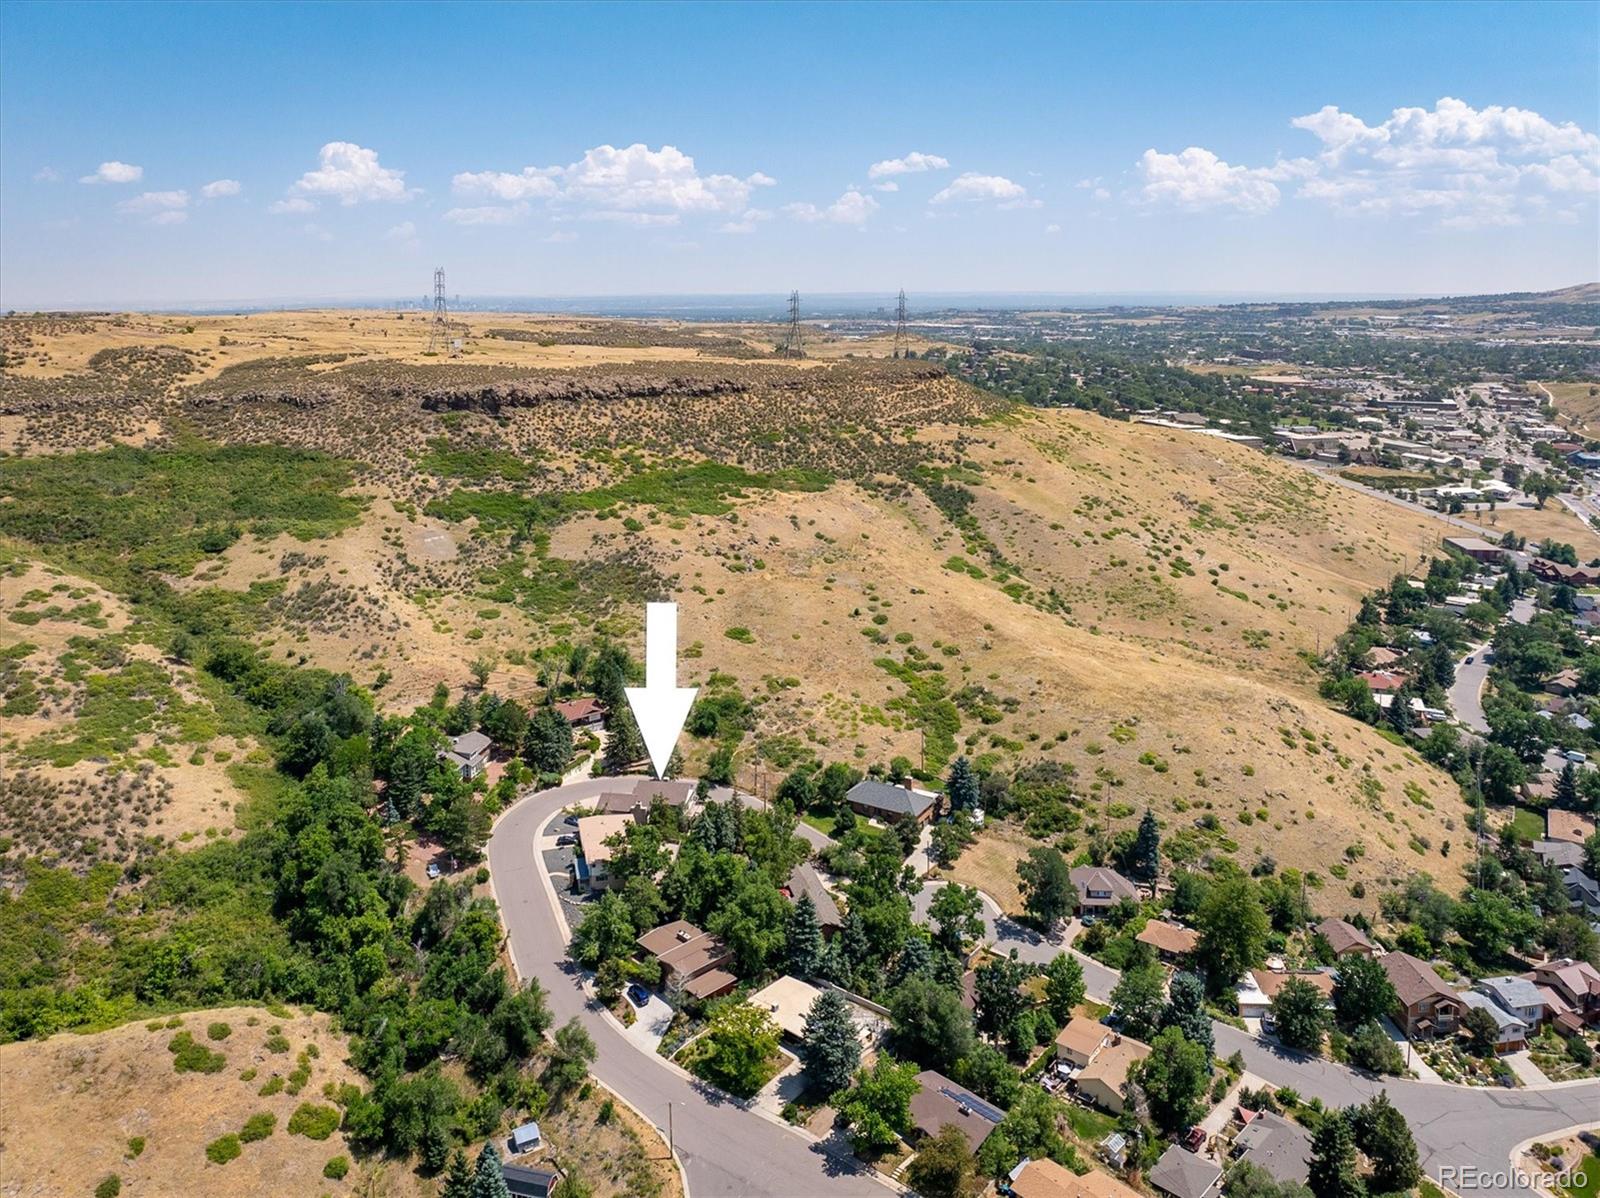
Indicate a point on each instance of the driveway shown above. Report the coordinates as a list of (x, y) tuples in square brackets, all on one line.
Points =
[(725, 1149)]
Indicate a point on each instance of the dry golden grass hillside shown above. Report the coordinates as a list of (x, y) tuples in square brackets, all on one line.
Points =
[(1130, 601)]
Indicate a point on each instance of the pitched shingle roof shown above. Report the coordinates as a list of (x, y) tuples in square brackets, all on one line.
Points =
[(892, 800), (1342, 936), (1413, 980)]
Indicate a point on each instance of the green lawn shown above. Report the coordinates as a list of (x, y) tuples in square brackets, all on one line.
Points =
[(1589, 1167), (822, 823), (1088, 1125), (1529, 825)]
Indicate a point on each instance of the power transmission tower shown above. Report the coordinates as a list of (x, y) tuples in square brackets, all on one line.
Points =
[(900, 325), (792, 347), (439, 327)]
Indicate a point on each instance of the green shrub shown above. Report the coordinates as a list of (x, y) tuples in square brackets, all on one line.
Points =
[(258, 1127), (109, 1188), (191, 1057), (336, 1168), (218, 1031), (272, 1086), (135, 1146), (313, 1121), (223, 1149)]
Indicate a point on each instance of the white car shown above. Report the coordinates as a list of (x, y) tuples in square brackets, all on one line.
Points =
[(1575, 757)]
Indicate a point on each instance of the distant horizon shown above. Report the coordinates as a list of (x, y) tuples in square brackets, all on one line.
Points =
[(820, 303)]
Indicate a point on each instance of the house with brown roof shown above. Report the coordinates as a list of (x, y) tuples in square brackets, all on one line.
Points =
[(1562, 682), (1172, 942), (1577, 982), (1427, 1006), (939, 1102), (1574, 576), (1046, 1179), (1345, 939), (593, 864), (1102, 1081), (1383, 682), (1081, 1041), (1381, 657), (587, 712), (1260, 986), (804, 879), (686, 954), (1568, 825), (1099, 889)]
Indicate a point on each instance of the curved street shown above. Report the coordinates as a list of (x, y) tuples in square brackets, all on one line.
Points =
[(728, 1150)]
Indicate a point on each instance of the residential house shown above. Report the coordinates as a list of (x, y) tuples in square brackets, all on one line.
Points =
[(788, 1000), (1171, 941), (1102, 1080), (469, 754), (1512, 1033), (1081, 1040), (1427, 1006), (1562, 854), (939, 1101), (1383, 682), (1568, 825), (523, 1182), (1557, 572), (804, 879), (1577, 982), (1099, 889), (1046, 1179), (1186, 1174), (1583, 891), (1518, 995), (587, 712), (687, 955), (593, 864), (1345, 939), (1563, 682), (890, 804), (1271, 1142), (1260, 986)]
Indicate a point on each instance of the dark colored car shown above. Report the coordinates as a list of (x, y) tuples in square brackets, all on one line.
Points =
[(565, 839), (637, 994)]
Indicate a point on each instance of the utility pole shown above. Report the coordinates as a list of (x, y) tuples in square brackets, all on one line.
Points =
[(792, 347), (672, 1144), (900, 325)]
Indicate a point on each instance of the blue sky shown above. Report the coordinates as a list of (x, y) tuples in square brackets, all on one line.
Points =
[(155, 154)]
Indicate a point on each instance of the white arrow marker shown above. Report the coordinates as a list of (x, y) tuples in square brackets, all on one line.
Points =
[(660, 706)]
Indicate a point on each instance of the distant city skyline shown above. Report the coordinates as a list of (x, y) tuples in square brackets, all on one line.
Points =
[(156, 155)]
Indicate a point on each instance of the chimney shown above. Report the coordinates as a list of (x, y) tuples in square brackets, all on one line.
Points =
[(907, 783)]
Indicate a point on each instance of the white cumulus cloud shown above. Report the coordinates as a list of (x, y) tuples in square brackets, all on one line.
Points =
[(609, 181), (852, 208), (975, 188), (488, 214), (291, 206), (114, 172), (158, 207), (913, 163), (1197, 178), (218, 188), (1453, 165), (747, 221), (352, 174)]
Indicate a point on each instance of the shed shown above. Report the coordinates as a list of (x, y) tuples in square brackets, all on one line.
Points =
[(526, 1138)]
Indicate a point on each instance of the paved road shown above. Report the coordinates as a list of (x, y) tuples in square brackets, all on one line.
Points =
[(1454, 1125), (1466, 693), (725, 1150)]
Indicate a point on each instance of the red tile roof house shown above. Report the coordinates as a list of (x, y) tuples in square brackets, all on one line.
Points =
[(1383, 682), (587, 712), (1577, 982), (1427, 1006)]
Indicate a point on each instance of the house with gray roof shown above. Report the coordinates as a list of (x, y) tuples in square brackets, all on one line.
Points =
[(1185, 1175), (890, 804), (804, 879), (1512, 1034), (469, 754), (1099, 889), (1517, 995), (1273, 1143)]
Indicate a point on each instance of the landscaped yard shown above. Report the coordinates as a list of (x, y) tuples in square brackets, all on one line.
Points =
[(1589, 1169), (822, 823), (1529, 825)]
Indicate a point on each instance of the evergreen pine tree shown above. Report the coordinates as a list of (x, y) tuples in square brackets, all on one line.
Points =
[(1333, 1161), (1186, 1011), (804, 943), (1145, 860), (488, 1181), (962, 786), (1398, 714), (1383, 1134), (1567, 788), (829, 1049), (458, 1178)]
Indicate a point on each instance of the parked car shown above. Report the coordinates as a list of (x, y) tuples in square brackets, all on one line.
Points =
[(637, 994), (1269, 1026), (565, 839), (433, 869), (571, 821), (1194, 1139), (1470, 658), (1575, 757)]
